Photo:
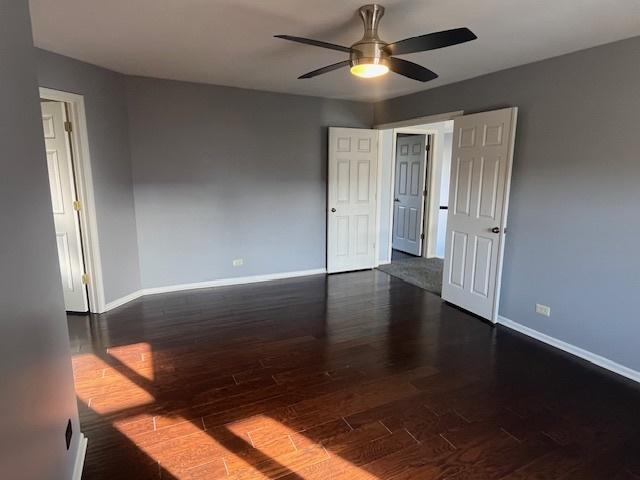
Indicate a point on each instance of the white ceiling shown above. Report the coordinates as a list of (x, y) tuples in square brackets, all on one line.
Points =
[(229, 42)]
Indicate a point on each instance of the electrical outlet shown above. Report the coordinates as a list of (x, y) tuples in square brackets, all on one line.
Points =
[(238, 262), (68, 434), (543, 310)]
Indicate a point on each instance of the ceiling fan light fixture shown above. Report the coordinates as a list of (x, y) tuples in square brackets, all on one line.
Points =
[(369, 70), (372, 57)]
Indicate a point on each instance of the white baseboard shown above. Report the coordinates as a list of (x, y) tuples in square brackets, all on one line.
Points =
[(80, 454), (213, 283), (233, 281), (572, 349), (122, 300)]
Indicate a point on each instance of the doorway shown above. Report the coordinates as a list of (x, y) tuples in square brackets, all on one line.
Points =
[(420, 167), (481, 159), (64, 204), (72, 201)]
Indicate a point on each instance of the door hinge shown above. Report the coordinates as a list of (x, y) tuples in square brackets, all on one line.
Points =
[(427, 147), (422, 236), (68, 127), (425, 193), (76, 205), (85, 279)]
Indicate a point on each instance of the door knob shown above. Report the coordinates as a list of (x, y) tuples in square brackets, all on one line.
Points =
[(333, 210), (495, 230)]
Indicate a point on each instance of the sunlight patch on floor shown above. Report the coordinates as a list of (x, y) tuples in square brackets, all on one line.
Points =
[(255, 447), (120, 384), (107, 390), (136, 356)]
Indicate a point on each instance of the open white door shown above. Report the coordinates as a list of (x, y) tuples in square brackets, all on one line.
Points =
[(63, 198), (408, 206), (478, 200), (351, 206)]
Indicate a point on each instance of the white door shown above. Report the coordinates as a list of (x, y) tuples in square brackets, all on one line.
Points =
[(351, 215), (63, 197), (478, 199), (408, 206)]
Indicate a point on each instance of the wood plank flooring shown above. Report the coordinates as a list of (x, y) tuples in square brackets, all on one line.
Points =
[(352, 376)]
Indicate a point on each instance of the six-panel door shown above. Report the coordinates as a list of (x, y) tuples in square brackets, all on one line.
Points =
[(480, 177), (351, 215), (408, 199)]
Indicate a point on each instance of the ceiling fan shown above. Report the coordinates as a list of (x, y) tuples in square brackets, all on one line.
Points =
[(372, 57)]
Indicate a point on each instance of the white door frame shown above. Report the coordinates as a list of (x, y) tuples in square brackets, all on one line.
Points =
[(84, 190), (412, 122), (407, 126)]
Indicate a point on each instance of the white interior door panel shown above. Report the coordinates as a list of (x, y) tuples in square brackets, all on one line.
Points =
[(481, 164), (63, 196), (351, 215)]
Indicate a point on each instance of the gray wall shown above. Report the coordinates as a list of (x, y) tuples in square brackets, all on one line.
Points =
[(573, 221), (223, 173), (107, 125), (36, 383)]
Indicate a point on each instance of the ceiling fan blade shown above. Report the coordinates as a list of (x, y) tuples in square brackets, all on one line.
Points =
[(327, 69), (317, 43), (411, 70), (430, 41)]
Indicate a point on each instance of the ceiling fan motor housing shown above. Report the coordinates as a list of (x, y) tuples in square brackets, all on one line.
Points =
[(370, 49)]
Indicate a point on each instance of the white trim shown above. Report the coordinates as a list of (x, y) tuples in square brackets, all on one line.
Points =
[(84, 187), (80, 454), (572, 349), (122, 300), (392, 194), (211, 284), (425, 230), (376, 246), (233, 281), (437, 118)]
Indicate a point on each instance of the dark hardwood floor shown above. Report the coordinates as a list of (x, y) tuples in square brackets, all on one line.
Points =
[(352, 376)]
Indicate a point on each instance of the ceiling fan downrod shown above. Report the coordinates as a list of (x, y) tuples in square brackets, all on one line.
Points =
[(370, 49)]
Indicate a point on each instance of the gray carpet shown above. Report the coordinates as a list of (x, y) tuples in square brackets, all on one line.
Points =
[(425, 273)]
